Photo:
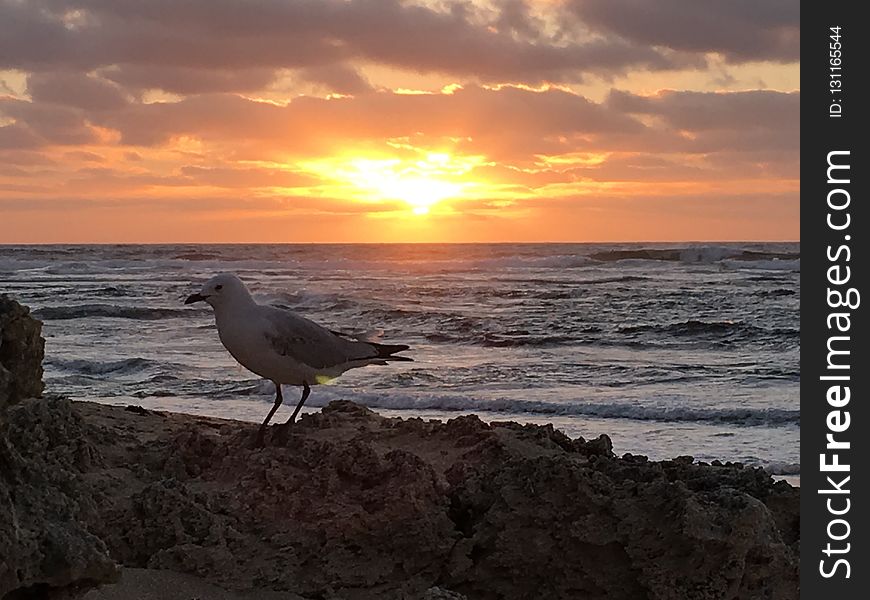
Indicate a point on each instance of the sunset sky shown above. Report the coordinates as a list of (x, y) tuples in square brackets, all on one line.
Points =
[(391, 120)]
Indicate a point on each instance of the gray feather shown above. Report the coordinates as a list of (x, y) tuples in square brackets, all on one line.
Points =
[(308, 343)]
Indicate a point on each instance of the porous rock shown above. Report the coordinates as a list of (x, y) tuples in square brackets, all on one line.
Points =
[(21, 353), (46, 547), (348, 504)]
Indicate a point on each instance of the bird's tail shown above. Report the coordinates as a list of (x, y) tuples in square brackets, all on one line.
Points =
[(388, 351)]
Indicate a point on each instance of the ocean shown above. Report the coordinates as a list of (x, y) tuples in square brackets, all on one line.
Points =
[(671, 349)]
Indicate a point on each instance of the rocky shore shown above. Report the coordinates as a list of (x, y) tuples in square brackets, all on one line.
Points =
[(112, 502)]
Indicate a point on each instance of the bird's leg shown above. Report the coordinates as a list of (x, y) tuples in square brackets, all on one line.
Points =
[(305, 391), (279, 398)]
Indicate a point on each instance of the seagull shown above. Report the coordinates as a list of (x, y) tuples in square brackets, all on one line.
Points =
[(284, 347)]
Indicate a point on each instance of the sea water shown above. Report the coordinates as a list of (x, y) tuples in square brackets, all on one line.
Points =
[(671, 349)]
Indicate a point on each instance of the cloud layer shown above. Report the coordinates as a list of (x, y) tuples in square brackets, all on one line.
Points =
[(224, 107)]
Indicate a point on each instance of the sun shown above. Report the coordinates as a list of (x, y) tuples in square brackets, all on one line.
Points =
[(421, 183), (390, 181)]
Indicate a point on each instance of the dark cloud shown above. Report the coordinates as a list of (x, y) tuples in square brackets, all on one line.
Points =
[(17, 136), (756, 109), (74, 89), (515, 16), (31, 37), (38, 123), (338, 78), (474, 112), (189, 80), (740, 30), (220, 36)]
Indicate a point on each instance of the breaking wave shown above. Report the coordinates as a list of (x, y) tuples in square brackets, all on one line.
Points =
[(84, 311), (752, 417), (696, 328), (701, 254)]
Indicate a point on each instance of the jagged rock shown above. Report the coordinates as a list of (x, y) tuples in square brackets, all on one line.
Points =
[(348, 504), (552, 527), (46, 548), (21, 352)]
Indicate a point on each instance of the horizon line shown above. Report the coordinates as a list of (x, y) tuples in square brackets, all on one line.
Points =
[(515, 243)]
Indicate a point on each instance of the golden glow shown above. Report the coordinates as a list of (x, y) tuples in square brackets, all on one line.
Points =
[(395, 146), (421, 181), (572, 159)]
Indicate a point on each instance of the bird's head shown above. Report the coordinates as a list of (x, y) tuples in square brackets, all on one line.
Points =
[(220, 290)]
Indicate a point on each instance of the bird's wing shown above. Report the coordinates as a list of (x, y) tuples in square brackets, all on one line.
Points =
[(308, 343)]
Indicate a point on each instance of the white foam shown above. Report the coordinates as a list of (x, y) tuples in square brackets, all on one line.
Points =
[(765, 265), (707, 254), (601, 410), (781, 467)]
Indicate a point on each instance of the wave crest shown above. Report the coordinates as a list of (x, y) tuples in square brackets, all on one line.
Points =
[(699, 254), (93, 367), (84, 311), (695, 328), (750, 417)]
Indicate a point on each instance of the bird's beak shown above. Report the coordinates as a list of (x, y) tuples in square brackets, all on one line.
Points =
[(195, 298)]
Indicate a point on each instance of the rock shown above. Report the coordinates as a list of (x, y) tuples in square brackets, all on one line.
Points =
[(355, 506), (21, 352), (552, 527), (47, 548), (153, 584)]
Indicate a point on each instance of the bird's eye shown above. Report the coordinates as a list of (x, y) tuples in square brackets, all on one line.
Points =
[(218, 287)]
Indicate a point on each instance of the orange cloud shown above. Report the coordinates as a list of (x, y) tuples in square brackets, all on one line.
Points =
[(282, 121)]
